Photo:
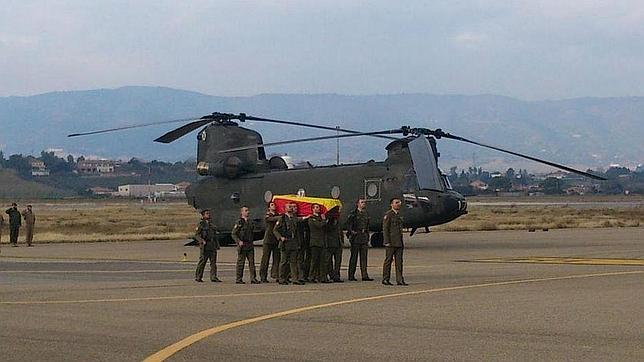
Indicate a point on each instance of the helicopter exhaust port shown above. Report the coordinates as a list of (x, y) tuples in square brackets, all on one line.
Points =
[(230, 167)]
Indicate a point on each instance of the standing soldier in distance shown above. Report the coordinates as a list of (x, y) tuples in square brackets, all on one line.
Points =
[(242, 233), (358, 232), (392, 226), (206, 236), (286, 232), (317, 225), (15, 221), (270, 246), (30, 221), (335, 242)]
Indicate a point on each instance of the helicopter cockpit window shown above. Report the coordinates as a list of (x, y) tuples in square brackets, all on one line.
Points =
[(428, 175), (448, 185)]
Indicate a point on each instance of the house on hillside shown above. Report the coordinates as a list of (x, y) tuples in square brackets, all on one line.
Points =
[(95, 167), (38, 167)]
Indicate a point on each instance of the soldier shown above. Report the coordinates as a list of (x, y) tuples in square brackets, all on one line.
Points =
[(286, 232), (242, 233), (335, 242), (304, 253), (392, 225), (358, 232), (15, 221), (206, 235), (270, 246), (30, 221), (317, 225)]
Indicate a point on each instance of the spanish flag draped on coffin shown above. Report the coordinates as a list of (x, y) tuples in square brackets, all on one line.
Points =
[(305, 204)]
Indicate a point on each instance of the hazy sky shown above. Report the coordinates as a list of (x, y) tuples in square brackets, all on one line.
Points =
[(524, 49)]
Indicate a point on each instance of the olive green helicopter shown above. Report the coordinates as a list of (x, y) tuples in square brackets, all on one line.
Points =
[(234, 171)]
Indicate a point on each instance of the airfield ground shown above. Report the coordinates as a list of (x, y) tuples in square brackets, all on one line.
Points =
[(569, 294)]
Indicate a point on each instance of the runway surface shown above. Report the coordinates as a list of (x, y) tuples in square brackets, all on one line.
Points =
[(501, 295)]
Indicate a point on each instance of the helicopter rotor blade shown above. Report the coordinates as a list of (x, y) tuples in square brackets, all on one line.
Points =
[(182, 131), (244, 117), (130, 127), (357, 134), (549, 163)]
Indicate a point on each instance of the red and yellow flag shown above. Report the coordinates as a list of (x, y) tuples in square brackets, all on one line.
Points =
[(305, 204)]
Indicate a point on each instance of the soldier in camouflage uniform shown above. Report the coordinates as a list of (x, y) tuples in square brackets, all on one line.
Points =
[(358, 232), (304, 253), (392, 225), (15, 221), (317, 225), (30, 222), (206, 236), (270, 246), (242, 233), (335, 242), (286, 232)]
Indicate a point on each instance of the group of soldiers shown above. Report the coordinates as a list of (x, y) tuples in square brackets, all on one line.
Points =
[(304, 249), (15, 222)]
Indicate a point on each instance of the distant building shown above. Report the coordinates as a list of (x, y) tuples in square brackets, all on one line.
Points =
[(157, 190), (95, 167), (38, 168), (478, 185), (104, 191)]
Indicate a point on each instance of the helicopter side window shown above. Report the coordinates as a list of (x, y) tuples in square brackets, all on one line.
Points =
[(410, 183), (446, 182), (425, 166)]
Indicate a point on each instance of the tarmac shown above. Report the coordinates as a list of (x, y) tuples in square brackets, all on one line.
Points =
[(498, 295)]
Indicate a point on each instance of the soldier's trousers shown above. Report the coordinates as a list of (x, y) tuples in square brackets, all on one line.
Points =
[(358, 250), (13, 234), (334, 261), (242, 256), (204, 256), (267, 250), (29, 234), (288, 259), (304, 262), (318, 263), (392, 254)]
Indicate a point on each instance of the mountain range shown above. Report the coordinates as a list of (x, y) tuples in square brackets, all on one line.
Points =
[(582, 132)]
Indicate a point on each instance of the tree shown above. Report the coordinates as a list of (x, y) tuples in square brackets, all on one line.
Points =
[(552, 186), (500, 184)]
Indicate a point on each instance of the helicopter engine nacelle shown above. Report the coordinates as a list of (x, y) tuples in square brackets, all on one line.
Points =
[(230, 167)]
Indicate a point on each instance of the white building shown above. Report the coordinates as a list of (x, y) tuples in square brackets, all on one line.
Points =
[(156, 190)]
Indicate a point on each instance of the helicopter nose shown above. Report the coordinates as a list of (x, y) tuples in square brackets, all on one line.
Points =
[(456, 204)]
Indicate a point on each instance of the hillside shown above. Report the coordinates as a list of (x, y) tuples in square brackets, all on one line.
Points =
[(14, 187), (584, 132)]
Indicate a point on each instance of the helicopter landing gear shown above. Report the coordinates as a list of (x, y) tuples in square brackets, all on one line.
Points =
[(376, 240)]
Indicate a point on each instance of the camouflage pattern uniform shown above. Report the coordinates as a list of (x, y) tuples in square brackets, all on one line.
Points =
[(392, 225), (335, 242), (286, 228), (15, 221), (207, 232), (270, 246), (358, 232), (317, 225), (242, 233), (30, 221)]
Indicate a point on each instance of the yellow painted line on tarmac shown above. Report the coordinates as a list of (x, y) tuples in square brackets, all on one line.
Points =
[(172, 349), (565, 260), (134, 271), (173, 297)]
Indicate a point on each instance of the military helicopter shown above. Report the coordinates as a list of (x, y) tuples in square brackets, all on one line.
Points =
[(235, 171)]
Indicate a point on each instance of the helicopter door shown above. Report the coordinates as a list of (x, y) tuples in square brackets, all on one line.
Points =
[(424, 161)]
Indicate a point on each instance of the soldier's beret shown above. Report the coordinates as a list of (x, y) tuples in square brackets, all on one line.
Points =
[(203, 211)]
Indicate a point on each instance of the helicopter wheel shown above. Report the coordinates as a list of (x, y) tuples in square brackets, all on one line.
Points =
[(376, 240)]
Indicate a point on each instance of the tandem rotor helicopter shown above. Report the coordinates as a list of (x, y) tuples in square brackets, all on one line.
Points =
[(235, 171)]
